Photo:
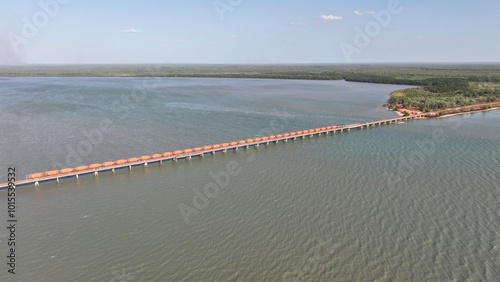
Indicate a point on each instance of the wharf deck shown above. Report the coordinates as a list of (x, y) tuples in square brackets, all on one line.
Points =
[(37, 178)]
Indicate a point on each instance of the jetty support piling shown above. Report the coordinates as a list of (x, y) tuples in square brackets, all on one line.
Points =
[(36, 178)]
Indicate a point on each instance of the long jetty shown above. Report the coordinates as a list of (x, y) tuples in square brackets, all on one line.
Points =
[(95, 169)]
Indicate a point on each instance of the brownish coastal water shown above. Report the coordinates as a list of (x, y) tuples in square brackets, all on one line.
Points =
[(410, 202)]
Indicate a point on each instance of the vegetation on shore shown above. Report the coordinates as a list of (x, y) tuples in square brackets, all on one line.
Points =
[(430, 98), (439, 86)]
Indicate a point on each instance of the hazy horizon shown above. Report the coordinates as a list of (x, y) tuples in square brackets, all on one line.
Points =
[(243, 32), (256, 64)]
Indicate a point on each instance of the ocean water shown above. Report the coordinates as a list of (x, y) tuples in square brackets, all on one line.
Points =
[(407, 202)]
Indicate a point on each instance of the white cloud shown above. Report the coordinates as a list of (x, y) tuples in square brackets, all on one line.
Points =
[(330, 18), (132, 30), (362, 13)]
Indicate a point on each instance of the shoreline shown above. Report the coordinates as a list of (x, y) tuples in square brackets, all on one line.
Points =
[(399, 112), (470, 112), (455, 111)]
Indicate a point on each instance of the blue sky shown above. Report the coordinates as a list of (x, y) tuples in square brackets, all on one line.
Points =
[(248, 31)]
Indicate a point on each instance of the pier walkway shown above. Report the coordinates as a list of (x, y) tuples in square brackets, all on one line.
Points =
[(56, 175)]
